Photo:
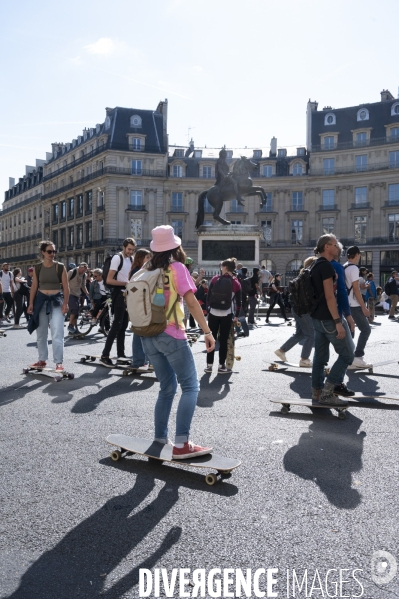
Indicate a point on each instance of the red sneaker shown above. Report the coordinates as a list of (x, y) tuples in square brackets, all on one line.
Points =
[(189, 450), (38, 364), (59, 368)]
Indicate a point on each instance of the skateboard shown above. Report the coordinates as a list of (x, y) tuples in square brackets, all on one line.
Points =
[(352, 402), (57, 377), (230, 357), (371, 368), (242, 329), (159, 451), (3, 334), (280, 365), (122, 364), (77, 335)]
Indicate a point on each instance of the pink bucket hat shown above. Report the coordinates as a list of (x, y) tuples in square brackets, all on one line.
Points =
[(164, 239)]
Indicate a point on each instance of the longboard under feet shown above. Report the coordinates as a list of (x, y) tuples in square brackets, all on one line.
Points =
[(57, 376), (354, 401), (158, 451), (120, 364)]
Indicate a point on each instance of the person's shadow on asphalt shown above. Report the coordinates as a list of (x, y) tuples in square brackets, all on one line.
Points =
[(213, 390), (329, 457), (79, 564)]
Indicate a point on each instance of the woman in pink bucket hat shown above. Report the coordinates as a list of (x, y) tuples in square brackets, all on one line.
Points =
[(169, 352)]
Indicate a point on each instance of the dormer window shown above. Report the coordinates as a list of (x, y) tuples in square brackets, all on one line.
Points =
[(257, 154), (363, 114), (107, 122), (197, 153), (282, 153), (229, 154), (135, 121), (179, 153), (330, 119), (395, 109)]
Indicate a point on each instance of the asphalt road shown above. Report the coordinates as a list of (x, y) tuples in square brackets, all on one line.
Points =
[(313, 493)]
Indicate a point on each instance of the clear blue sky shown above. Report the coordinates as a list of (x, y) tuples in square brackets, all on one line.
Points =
[(236, 71)]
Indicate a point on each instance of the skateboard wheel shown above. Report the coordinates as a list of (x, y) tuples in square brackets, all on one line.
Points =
[(116, 455), (341, 415), (125, 373), (92, 359), (58, 379), (25, 370), (70, 375), (210, 479), (83, 360), (371, 371), (285, 410), (238, 358)]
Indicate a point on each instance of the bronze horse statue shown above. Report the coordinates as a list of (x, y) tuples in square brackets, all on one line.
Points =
[(224, 192)]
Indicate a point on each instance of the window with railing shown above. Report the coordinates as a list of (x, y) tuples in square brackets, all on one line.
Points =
[(63, 210), (70, 236), (393, 194), (136, 199), (329, 142), (393, 159), (79, 205), (136, 144), (297, 169), (360, 196), (235, 206), (266, 226), (267, 170), (297, 201), (207, 172), (207, 207), (55, 213), (361, 163), (89, 202), (177, 170), (177, 202), (89, 232), (137, 167), (327, 225), (328, 198), (268, 207), (70, 207), (296, 232), (100, 259), (62, 239), (55, 239), (101, 229), (361, 138), (360, 229), (393, 228), (178, 227), (79, 235), (329, 166), (394, 134)]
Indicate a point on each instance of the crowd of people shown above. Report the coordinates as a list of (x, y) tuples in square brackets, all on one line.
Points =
[(345, 298)]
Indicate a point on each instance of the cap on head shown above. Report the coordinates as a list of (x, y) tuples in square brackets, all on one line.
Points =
[(71, 265), (30, 268), (164, 239), (352, 251)]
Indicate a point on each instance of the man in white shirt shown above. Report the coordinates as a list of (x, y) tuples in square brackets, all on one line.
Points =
[(7, 283), (118, 276), (359, 311), (265, 278)]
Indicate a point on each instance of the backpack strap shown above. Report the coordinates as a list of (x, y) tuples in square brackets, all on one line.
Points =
[(60, 270), (345, 267)]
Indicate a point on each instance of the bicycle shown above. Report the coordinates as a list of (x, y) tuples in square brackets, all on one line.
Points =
[(104, 319)]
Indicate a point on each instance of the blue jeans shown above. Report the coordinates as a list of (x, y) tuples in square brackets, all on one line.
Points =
[(304, 331), (325, 333), (172, 360), (56, 321), (363, 325), (139, 357)]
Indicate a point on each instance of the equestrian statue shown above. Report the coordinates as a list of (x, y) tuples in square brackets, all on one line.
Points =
[(229, 186)]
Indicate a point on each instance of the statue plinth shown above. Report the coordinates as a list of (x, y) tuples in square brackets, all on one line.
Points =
[(218, 242)]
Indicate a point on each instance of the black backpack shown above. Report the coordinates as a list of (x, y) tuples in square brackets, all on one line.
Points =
[(106, 268), (220, 294), (246, 285), (390, 287), (302, 293)]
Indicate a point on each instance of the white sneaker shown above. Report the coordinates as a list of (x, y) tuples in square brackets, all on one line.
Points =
[(359, 363), (305, 363), (281, 355)]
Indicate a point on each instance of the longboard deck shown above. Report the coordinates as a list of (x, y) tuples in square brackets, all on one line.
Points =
[(354, 401), (57, 376), (371, 368), (159, 451), (280, 365), (122, 365)]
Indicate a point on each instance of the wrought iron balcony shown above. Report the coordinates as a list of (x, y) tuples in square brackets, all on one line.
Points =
[(360, 205), (136, 207), (323, 207)]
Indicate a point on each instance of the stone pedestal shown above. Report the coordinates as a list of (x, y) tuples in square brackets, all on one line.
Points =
[(217, 243)]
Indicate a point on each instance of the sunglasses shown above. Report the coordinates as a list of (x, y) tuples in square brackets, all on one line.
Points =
[(51, 252)]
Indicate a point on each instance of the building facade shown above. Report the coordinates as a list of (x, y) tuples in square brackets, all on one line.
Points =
[(122, 179)]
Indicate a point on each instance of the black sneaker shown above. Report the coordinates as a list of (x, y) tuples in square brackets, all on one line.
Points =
[(343, 390), (332, 400), (105, 361)]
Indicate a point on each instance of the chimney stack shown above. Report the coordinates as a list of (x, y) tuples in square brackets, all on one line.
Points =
[(273, 146), (386, 96)]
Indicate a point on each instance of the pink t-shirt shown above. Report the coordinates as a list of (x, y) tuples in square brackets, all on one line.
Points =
[(177, 281)]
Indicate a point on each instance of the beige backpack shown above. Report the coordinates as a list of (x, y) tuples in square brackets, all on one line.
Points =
[(146, 318)]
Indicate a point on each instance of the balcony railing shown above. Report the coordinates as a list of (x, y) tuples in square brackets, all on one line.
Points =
[(88, 244), (360, 205), (328, 207), (343, 170), (296, 208), (136, 207), (20, 204), (390, 203), (100, 208), (346, 145), (79, 246)]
